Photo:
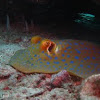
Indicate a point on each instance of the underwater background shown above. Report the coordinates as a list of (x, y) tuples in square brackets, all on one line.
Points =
[(29, 67)]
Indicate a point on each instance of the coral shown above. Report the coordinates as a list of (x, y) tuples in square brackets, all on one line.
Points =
[(37, 87), (58, 94), (91, 88), (59, 78), (21, 93), (6, 70)]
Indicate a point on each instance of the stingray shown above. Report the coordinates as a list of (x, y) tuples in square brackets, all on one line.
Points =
[(81, 58)]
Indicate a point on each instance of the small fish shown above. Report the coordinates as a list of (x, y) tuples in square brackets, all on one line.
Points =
[(81, 58)]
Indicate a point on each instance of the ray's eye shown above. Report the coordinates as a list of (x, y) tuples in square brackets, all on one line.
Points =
[(48, 46), (51, 47)]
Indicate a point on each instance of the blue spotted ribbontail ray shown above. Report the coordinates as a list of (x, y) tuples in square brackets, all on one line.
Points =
[(79, 57)]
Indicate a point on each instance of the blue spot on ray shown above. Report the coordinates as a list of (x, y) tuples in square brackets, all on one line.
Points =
[(65, 51), (81, 43), (59, 66), (37, 47), (71, 62), (89, 66), (75, 43), (29, 54), (66, 64), (60, 42), (65, 68), (69, 43), (44, 65), (31, 58), (78, 52), (56, 68), (96, 64), (81, 65), (56, 58), (68, 47), (56, 62), (48, 63), (70, 51), (93, 70), (78, 70), (35, 55), (50, 57), (41, 62), (91, 63), (86, 48), (42, 51), (63, 60), (85, 58), (93, 48), (71, 68), (74, 66), (88, 57), (39, 59), (53, 66), (93, 57), (35, 66), (76, 57), (99, 69), (63, 55), (68, 56), (31, 64), (38, 41)]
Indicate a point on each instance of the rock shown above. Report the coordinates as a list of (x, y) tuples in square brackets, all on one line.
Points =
[(91, 88), (6, 70), (59, 78)]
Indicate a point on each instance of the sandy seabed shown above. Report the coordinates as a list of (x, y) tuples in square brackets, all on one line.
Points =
[(15, 85)]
